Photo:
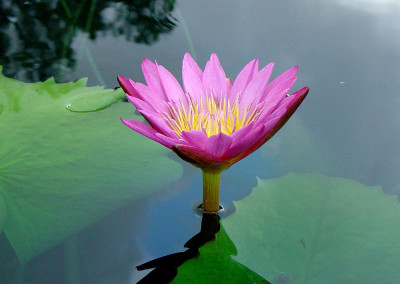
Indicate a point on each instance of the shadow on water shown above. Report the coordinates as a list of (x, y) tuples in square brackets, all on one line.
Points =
[(36, 36)]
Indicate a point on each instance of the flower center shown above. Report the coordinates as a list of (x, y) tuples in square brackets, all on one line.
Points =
[(210, 115)]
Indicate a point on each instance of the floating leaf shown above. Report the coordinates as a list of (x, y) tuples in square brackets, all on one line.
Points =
[(61, 171), (215, 265), (310, 228), (94, 99)]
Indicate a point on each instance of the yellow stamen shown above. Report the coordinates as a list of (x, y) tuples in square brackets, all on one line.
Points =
[(210, 115)]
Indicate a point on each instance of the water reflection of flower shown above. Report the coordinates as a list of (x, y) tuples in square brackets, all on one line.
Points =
[(214, 122)]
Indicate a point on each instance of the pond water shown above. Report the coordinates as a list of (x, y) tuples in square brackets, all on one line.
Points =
[(347, 130)]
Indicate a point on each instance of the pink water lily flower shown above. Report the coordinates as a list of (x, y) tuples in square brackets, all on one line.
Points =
[(212, 122)]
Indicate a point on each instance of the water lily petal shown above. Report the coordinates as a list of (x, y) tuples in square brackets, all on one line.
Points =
[(255, 89), (167, 139), (280, 91), (192, 77), (159, 123), (288, 101), (285, 103), (218, 144), (150, 72), (266, 135), (188, 60), (295, 102), (288, 74), (229, 85), (139, 104), (246, 141), (275, 97), (292, 102), (147, 94), (252, 144), (240, 133), (244, 77), (145, 130), (128, 86), (214, 78), (195, 138), (299, 97), (197, 157), (172, 88)]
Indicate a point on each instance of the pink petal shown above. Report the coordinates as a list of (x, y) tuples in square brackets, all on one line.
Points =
[(168, 139), (279, 92), (284, 103), (218, 144), (149, 96), (150, 72), (172, 89), (287, 75), (254, 140), (127, 86), (244, 77), (229, 84), (197, 157), (145, 130), (214, 78), (240, 133), (239, 145), (299, 96), (188, 60), (254, 90), (264, 137), (192, 77), (276, 96), (257, 137), (195, 138), (159, 123), (139, 104)]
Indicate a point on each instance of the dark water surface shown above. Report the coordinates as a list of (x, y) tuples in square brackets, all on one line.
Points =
[(348, 126)]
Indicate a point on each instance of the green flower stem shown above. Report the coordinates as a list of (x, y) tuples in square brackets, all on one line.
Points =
[(211, 181)]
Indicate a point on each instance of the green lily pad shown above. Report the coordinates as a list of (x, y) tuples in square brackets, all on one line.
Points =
[(215, 265), (310, 228), (61, 171), (94, 99)]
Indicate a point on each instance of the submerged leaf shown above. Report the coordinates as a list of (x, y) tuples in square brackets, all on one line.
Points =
[(61, 171), (310, 228)]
